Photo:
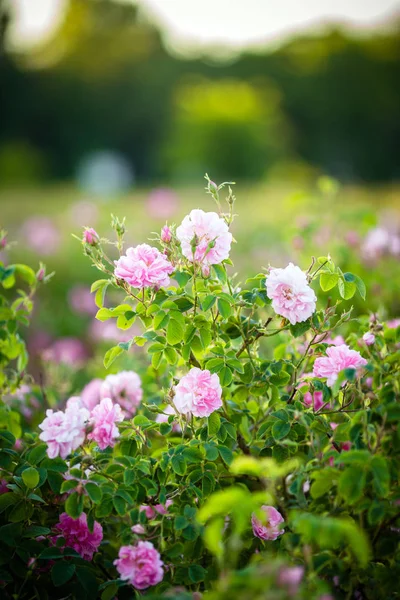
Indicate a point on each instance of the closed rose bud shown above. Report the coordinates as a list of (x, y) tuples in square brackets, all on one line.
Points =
[(90, 236), (41, 274), (3, 242), (369, 338), (205, 270), (166, 235)]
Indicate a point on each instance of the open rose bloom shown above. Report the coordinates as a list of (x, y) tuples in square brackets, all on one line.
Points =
[(270, 527), (144, 267), (64, 432), (141, 565), (290, 293), (198, 393), (204, 237), (77, 535), (336, 360), (124, 388)]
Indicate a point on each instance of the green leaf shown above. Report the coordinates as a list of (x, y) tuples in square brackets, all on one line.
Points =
[(37, 454), (360, 286), (220, 273), (300, 328), (381, 476), (175, 332), (351, 484), (327, 281), (178, 463), (347, 289), (94, 492), (280, 429), (214, 423), (226, 454), (62, 572), (197, 573), (171, 355), (224, 308), (111, 355), (74, 505), (225, 376), (30, 477), (208, 302)]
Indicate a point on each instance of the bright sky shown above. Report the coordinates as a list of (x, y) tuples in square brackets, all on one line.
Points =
[(234, 23)]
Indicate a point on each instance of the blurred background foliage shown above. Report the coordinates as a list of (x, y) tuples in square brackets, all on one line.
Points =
[(106, 81)]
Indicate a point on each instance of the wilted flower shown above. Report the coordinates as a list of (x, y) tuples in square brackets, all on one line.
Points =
[(141, 565), (64, 432), (204, 237), (290, 293), (198, 393), (268, 529), (124, 388), (78, 536), (144, 266), (336, 360), (104, 418)]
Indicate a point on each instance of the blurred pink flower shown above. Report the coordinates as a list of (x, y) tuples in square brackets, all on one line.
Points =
[(198, 393), (290, 577), (41, 235), (64, 432), (144, 266), (141, 565), (124, 388), (138, 529), (290, 293), (104, 417), (369, 338), (81, 300), (268, 529), (68, 350), (84, 212), (91, 394), (3, 486), (101, 331), (393, 323), (204, 237), (77, 535), (352, 238), (163, 418), (336, 360), (162, 203)]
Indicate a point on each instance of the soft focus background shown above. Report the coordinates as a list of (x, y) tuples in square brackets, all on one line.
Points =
[(122, 106)]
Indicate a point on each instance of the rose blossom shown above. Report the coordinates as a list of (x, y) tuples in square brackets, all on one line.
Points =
[(90, 236), (198, 393), (67, 350), (336, 360), (271, 529), (78, 536), (91, 394), (166, 235), (144, 266), (104, 418), (138, 529), (204, 237), (141, 565), (290, 293), (125, 388), (64, 432), (369, 338)]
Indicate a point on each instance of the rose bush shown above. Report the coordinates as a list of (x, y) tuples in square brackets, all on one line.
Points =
[(242, 452)]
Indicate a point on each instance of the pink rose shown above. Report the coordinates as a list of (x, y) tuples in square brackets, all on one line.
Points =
[(124, 388), (138, 529), (68, 351), (163, 418), (90, 236), (64, 432), (90, 395), (144, 266), (369, 338), (78, 536), (204, 237), (198, 393), (316, 400), (290, 293), (104, 418), (269, 528), (141, 565), (81, 300), (336, 360), (166, 235)]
